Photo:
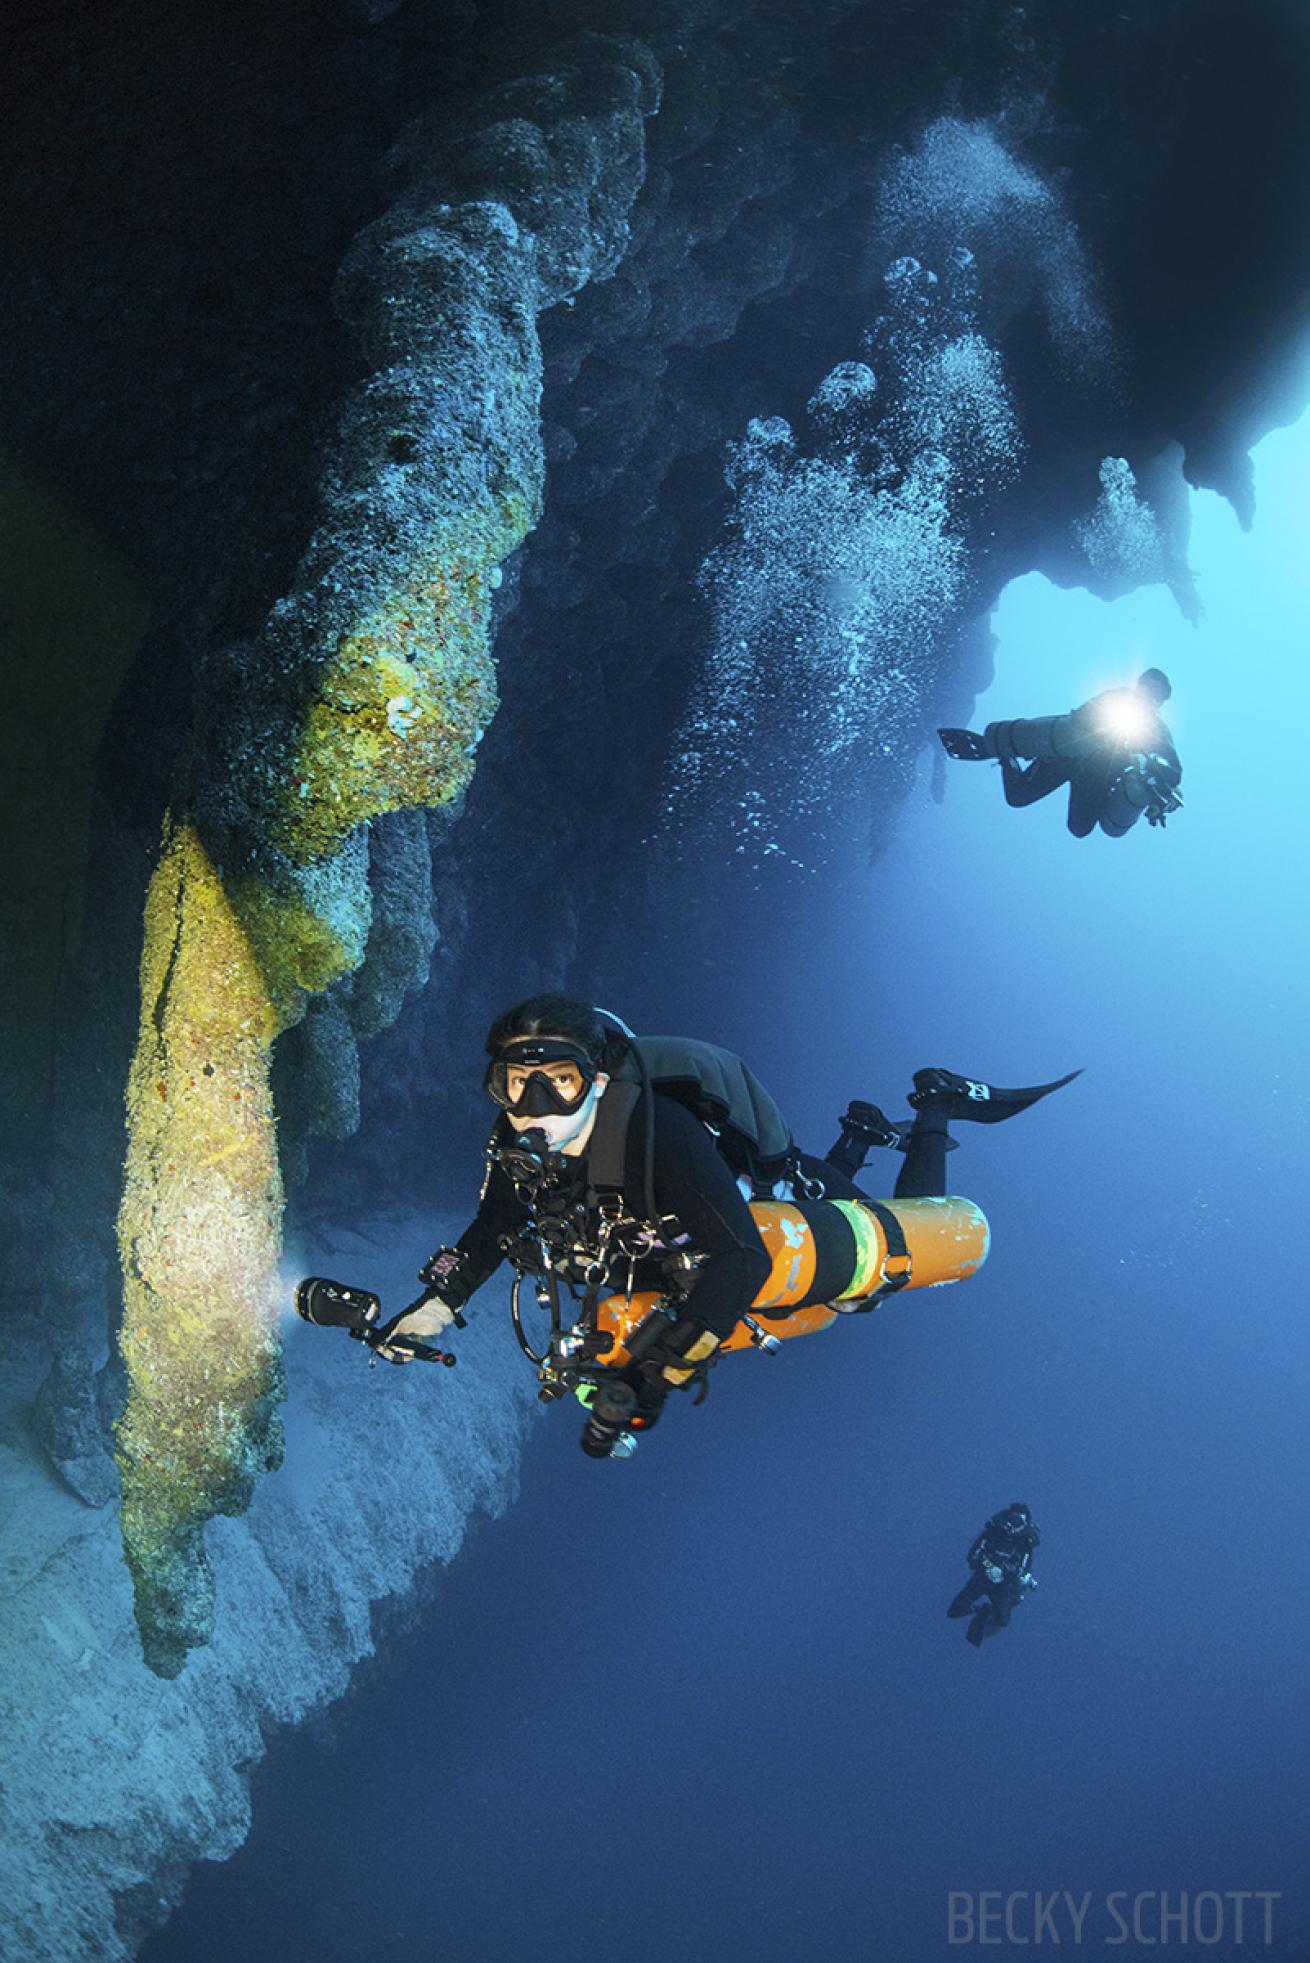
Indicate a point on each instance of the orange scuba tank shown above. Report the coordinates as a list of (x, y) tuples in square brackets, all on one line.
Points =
[(830, 1258)]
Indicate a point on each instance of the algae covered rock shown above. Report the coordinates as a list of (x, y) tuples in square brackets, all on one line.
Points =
[(364, 696)]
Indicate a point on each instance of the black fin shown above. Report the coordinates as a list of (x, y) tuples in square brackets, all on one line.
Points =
[(965, 745), (970, 1097)]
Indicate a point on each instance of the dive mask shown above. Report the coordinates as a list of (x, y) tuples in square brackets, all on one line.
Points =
[(517, 1079)]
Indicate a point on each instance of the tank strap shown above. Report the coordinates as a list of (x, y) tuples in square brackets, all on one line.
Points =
[(607, 1151), (897, 1267)]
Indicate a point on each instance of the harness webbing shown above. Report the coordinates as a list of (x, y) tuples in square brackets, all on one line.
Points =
[(896, 1265)]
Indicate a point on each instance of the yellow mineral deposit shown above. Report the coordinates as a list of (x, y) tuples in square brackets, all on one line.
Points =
[(402, 704), (199, 1226)]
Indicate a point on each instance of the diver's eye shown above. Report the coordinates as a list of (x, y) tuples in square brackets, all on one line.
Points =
[(565, 1078)]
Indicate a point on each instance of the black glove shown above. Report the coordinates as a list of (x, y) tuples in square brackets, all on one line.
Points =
[(685, 1353), (420, 1322)]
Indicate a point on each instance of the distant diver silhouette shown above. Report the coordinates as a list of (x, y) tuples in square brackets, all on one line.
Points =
[(1114, 752), (1001, 1574)]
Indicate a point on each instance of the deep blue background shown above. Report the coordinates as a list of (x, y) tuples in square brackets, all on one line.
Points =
[(707, 1704)]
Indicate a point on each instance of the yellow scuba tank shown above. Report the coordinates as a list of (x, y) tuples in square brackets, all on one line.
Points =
[(825, 1252)]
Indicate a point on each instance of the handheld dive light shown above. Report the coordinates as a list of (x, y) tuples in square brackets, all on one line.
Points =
[(335, 1305), (606, 1435)]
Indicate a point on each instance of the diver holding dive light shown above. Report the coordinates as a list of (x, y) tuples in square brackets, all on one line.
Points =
[(1000, 1561), (650, 1190), (1114, 752), (334, 1305)]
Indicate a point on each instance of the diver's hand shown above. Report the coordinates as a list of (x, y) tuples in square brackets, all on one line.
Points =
[(694, 1345), (420, 1324), (1028, 1580)]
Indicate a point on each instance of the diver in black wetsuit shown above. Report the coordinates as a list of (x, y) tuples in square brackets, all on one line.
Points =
[(1000, 1559), (1114, 752), (678, 1185)]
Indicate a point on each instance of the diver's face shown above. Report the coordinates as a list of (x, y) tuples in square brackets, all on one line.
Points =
[(566, 1131), (565, 1077)]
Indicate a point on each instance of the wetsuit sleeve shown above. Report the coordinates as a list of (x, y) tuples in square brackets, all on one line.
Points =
[(499, 1212), (695, 1183)]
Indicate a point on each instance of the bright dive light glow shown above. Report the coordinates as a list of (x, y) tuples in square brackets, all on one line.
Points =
[(1128, 719)]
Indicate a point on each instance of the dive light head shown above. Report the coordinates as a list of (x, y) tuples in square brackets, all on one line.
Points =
[(1131, 714), (334, 1305), (612, 1410), (1127, 719)]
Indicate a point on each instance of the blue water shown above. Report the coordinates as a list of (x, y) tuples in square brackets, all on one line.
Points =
[(707, 1704)]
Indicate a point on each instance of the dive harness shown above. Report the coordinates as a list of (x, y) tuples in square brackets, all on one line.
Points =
[(583, 1247)]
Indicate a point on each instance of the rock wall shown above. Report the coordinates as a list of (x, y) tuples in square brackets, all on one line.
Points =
[(116, 1780), (364, 693)]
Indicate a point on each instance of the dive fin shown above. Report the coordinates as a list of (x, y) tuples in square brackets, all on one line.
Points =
[(965, 745), (969, 1097)]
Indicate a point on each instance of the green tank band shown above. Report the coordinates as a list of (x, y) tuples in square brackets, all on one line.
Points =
[(868, 1250)]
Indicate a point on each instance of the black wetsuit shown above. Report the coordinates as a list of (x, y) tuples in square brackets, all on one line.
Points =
[(695, 1185), (1106, 787), (995, 1547)]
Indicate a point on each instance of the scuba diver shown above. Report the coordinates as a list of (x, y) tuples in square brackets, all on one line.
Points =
[(621, 1170), (1114, 752), (1000, 1559)]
